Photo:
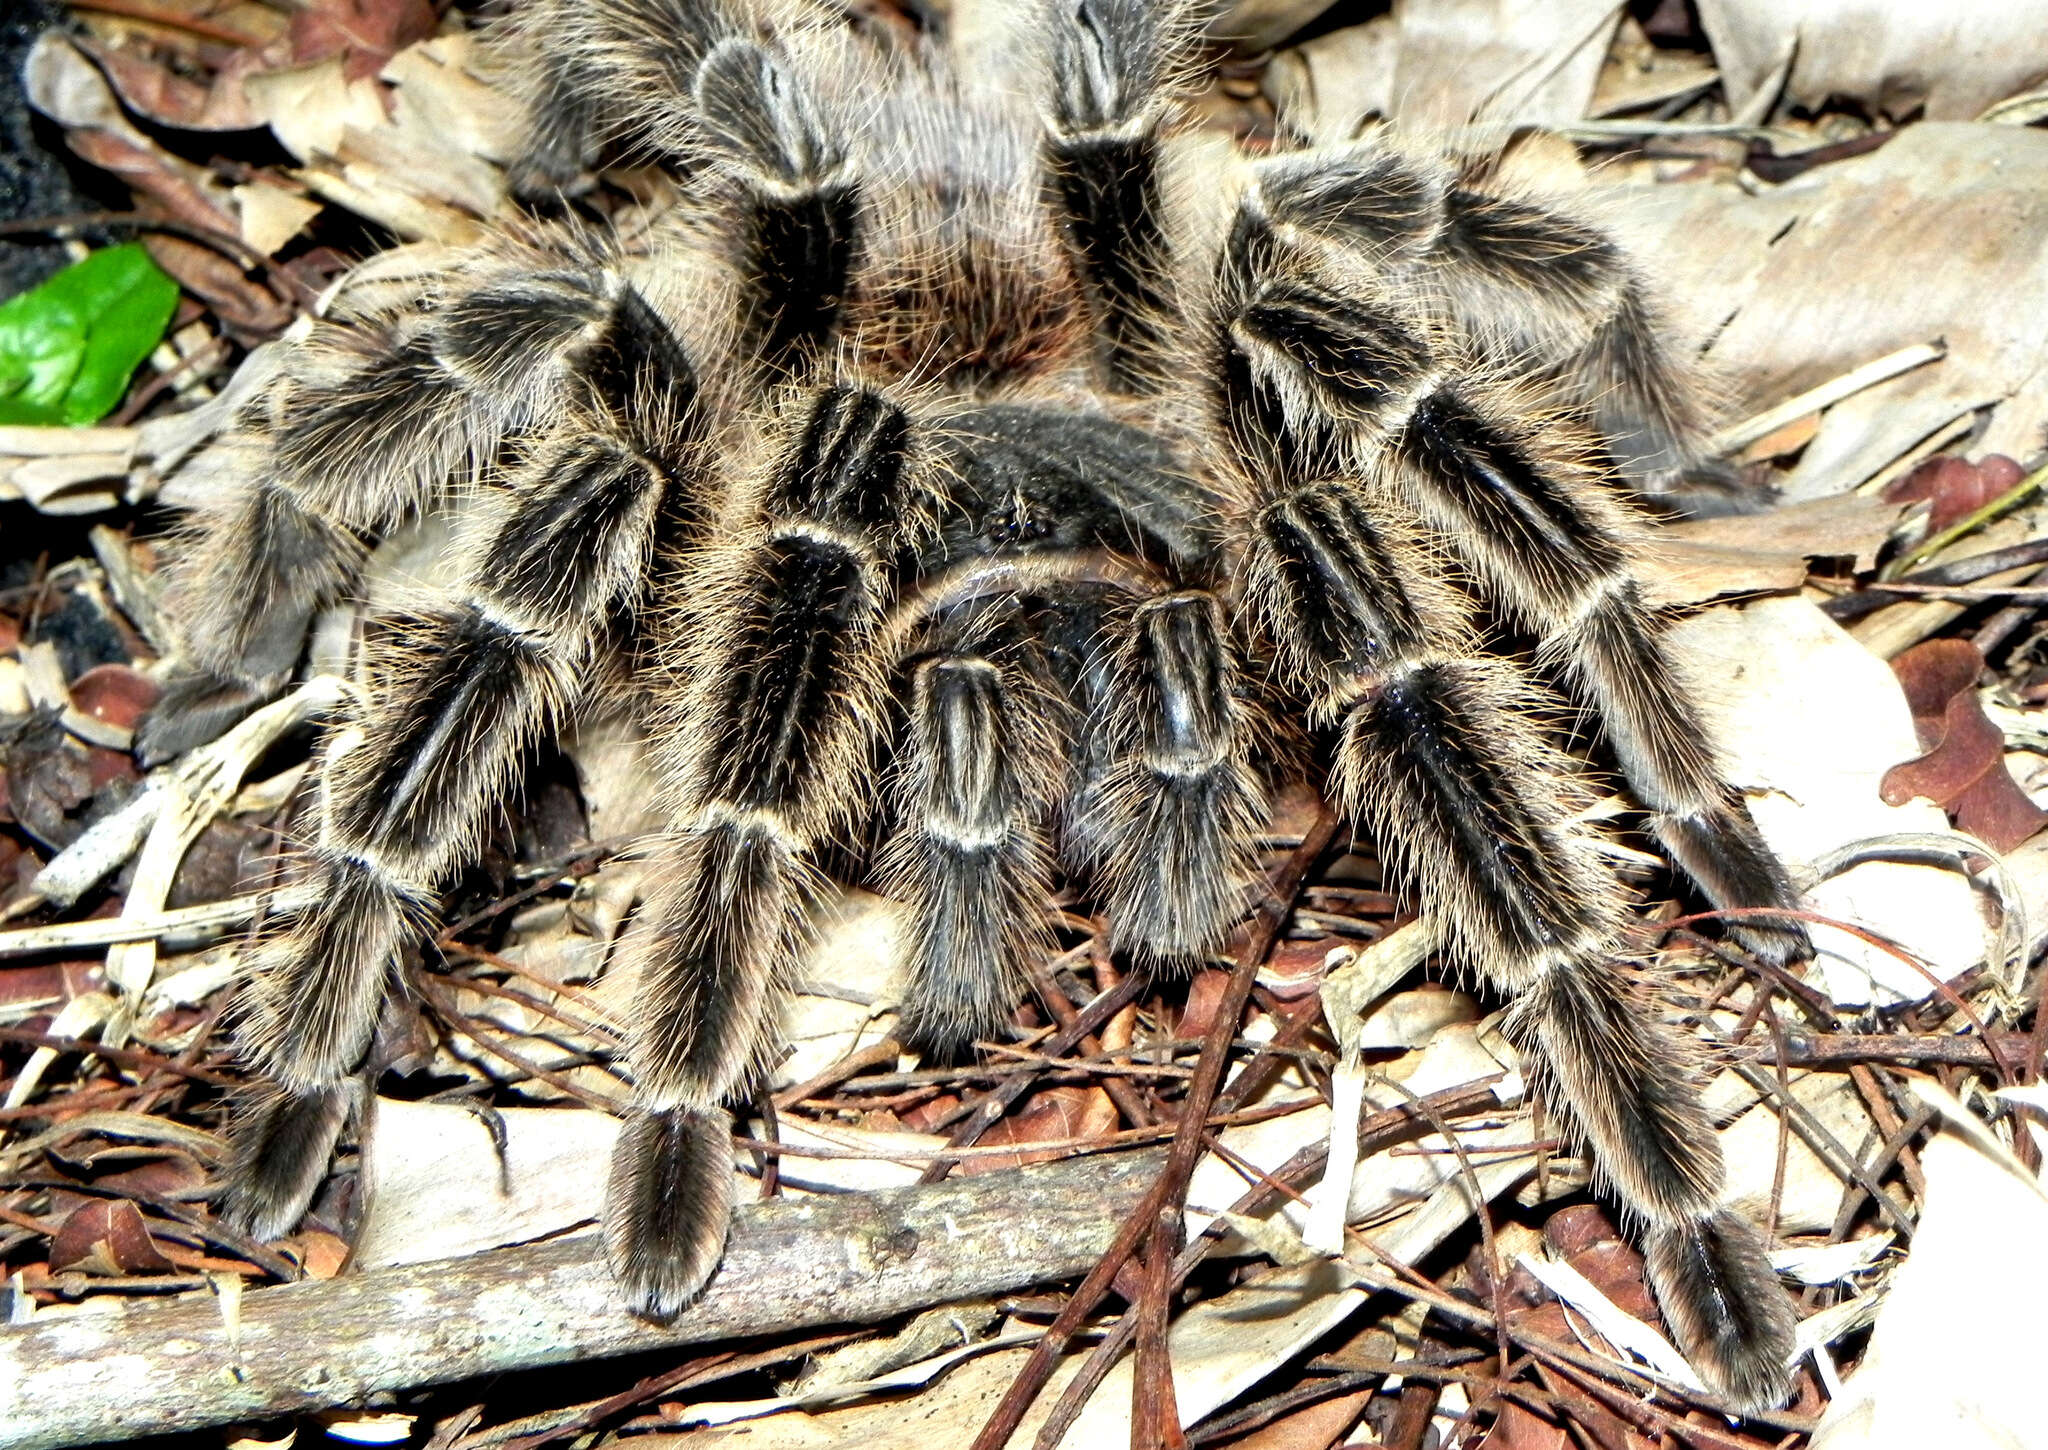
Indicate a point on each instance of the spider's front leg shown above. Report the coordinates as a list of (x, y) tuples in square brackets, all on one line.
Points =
[(471, 684), (1439, 756), (1521, 500), (782, 647), (1537, 287)]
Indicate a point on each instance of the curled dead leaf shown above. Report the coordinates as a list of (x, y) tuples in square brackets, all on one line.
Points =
[(1954, 487), (107, 1237), (1962, 765), (115, 694)]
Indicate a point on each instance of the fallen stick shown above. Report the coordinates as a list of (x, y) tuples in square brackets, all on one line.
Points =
[(144, 1367)]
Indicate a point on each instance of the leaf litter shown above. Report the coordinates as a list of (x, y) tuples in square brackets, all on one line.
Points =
[(1850, 226)]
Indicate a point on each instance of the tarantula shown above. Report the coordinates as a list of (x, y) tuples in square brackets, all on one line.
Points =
[(978, 455)]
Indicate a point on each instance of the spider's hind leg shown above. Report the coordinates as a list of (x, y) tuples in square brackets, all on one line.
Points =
[(1439, 757), (1546, 536), (1583, 304), (1538, 288), (1516, 492)]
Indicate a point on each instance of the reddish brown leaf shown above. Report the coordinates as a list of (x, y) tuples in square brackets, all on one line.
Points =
[(54, 983), (114, 693), (106, 1237), (1295, 970), (1316, 1428), (150, 88), (365, 33), (1962, 766), (1954, 487), (1205, 995), (1055, 1114), (1520, 1428), (923, 1117), (164, 1177), (320, 1253)]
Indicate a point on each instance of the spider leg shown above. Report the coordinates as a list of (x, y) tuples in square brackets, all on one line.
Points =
[(1533, 285), (602, 76), (968, 858), (406, 796), (797, 205), (1513, 258), (1111, 63), (365, 436), (1547, 537), (1439, 756), (1524, 503), (787, 677)]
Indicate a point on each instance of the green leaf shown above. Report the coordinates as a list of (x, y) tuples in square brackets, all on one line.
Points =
[(68, 347)]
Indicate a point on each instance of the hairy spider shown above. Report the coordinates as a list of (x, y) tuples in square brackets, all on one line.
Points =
[(978, 456)]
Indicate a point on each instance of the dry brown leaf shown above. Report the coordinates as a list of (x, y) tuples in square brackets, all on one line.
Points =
[(1318, 1427), (1950, 61), (1938, 235), (1698, 560), (1963, 767), (61, 82), (1809, 721), (1955, 1357), (153, 89), (1638, 74), (271, 215), (362, 34), (1050, 1115), (107, 1237)]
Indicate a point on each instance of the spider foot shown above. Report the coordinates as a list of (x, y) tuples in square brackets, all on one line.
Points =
[(670, 1206), (282, 1143), (197, 707), (1731, 1318), (1722, 851)]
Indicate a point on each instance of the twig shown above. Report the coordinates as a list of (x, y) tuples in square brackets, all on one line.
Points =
[(2005, 503), (145, 1368), (1826, 395), (1171, 1189)]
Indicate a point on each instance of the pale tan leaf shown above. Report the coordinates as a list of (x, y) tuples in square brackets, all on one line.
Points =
[(1895, 56), (1937, 235)]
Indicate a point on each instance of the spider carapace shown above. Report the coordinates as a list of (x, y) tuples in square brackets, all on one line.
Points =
[(978, 459)]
